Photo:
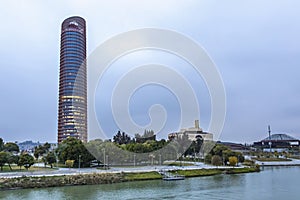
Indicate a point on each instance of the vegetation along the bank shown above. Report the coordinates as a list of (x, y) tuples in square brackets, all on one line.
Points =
[(108, 178)]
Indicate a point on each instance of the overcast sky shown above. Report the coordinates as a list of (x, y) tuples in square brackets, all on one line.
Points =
[(254, 44)]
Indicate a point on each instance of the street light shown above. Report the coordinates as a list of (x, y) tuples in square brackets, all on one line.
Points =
[(56, 156), (106, 162), (79, 162), (159, 159), (104, 158)]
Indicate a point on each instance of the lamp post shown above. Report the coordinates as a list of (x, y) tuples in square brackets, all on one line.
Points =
[(270, 141), (56, 156), (159, 159), (106, 166), (134, 160), (79, 163), (104, 158)]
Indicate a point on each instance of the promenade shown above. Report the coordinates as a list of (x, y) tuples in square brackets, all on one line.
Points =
[(75, 171), (293, 162)]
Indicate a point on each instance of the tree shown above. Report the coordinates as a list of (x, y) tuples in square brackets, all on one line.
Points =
[(71, 149), (233, 161), (41, 150), (38, 151), (199, 142), (12, 159), (11, 147), (1, 144), (121, 138), (47, 146), (219, 149), (208, 158), (26, 160), (224, 152), (50, 158), (3, 159), (69, 163), (195, 146), (216, 160), (276, 154)]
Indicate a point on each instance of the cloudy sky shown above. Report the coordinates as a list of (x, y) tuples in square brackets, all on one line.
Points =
[(254, 44)]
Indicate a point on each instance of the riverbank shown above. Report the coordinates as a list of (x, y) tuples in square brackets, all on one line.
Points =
[(108, 178), (291, 162)]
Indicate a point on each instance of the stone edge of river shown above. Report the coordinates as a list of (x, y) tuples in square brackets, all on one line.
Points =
[(108, 178)]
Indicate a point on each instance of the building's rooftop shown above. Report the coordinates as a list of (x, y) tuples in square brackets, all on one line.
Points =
[(279, 137)]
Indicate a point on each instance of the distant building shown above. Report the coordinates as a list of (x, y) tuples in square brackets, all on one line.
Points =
[(28, 146), (236, 146), (193, 133), (277, 142), (72, 104)]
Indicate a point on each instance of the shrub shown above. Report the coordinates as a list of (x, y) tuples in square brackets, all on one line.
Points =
[(69, 163), (216, 160), (233, 160)]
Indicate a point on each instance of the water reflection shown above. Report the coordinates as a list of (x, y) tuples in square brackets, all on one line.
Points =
[(272, 183)]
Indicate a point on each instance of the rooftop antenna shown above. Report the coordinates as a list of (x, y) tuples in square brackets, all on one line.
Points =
[(270, 143)]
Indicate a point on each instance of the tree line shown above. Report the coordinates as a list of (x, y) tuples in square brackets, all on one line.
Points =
[(222, 155), (9, 155), (122, 150)]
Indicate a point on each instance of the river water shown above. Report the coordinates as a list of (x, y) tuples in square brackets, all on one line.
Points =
[(271, 183)]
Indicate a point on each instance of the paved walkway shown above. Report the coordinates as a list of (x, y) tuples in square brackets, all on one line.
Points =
[(74, 171), (279, 163)]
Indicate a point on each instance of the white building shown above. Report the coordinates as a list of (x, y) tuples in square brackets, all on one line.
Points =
[(193, 133)]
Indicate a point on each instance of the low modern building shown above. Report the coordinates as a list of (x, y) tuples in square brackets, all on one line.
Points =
[(193, 133), (277, 142), (243, 148)]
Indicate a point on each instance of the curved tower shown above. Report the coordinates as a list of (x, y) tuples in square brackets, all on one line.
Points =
[(72, 103)]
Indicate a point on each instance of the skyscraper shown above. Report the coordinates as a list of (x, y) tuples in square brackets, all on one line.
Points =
[(72, 103)]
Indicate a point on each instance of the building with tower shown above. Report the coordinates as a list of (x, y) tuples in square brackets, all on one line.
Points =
[(193, 133), (72, 103)]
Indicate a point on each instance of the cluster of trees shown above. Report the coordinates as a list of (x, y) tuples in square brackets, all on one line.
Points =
[(222, 155), (123, 138), (9, 155), (73, 151), (147, 143), (48, 157), (41, 150), (148, 135), (69, 151), (142, 149), (140, 143)]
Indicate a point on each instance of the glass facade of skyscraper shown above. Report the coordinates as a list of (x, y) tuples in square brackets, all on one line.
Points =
[(72, 105)]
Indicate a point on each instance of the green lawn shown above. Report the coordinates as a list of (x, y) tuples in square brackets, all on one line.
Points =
[(142, 176), (210, 172), (17, 169), (199, 172)]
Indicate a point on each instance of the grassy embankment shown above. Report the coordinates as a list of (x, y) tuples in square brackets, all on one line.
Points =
[(141, 176), (210, 172), (107, 178), (56, 181)]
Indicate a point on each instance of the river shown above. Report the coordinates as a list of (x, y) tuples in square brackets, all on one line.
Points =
[(271, 183)]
